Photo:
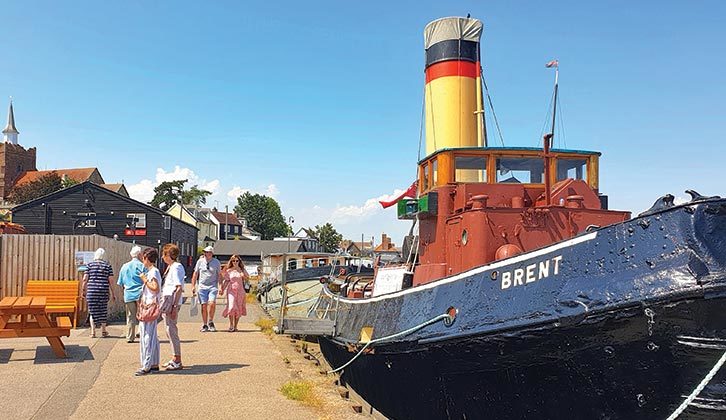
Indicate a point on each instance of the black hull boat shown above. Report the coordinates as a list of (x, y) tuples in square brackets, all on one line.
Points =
[(624, 323), (523, 295)]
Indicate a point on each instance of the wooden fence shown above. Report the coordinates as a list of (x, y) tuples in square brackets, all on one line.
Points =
[(52, 257)]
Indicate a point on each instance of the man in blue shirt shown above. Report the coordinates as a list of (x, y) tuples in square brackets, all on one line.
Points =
[(129, 278)]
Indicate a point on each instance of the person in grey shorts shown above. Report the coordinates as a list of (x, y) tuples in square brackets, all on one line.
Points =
[(208, 273)]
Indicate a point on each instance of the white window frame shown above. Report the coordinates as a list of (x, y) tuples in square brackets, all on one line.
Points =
[(141, 223), (91, 222)]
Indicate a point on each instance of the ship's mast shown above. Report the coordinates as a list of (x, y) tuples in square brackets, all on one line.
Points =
[(556, 65), (549, 138)]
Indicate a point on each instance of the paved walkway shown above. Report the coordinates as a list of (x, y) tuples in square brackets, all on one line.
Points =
[(227, 375)]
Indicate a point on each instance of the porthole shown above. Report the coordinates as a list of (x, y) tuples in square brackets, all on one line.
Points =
[(464, 237)]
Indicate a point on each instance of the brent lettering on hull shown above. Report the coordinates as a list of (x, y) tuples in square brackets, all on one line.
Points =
[(531, 273)]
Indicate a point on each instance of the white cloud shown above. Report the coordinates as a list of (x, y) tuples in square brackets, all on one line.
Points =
[(144, 189), (176, 174), (354, 214), (211, 186), (272, 191), (235, 192)]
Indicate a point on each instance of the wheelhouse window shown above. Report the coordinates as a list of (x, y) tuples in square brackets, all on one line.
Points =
[(434, 173), (425, 177), (470, 169), (520, 170), (572, 168)]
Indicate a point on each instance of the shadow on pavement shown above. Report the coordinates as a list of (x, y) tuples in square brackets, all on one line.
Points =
[(44, 355), (204, 369), (5, 355)]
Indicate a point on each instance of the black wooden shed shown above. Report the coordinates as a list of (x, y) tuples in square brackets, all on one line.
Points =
[(88, 208)]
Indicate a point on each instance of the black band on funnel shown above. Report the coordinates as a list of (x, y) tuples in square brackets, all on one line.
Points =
[(452, 49)]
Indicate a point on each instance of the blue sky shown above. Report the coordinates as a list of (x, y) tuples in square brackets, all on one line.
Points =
[(319, 103)]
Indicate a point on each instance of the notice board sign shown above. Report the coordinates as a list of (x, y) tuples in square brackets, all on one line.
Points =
[(82, 259), (389, 280)]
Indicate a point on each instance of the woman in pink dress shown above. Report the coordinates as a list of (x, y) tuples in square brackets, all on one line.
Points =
[(233, 282)]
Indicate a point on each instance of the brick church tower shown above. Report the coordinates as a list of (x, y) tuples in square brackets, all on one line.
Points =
[(14, 158)]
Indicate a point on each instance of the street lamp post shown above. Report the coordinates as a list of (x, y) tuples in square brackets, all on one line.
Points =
[(291, 220)]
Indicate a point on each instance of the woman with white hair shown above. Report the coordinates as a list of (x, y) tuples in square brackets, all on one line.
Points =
[(97, 285)]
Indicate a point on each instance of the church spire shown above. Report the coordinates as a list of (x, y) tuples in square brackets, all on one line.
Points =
[(10, 133)]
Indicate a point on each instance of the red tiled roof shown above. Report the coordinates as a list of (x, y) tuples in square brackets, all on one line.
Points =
[(385, 248), (113, 187), (117, 188), (231, 218), (76, 174)]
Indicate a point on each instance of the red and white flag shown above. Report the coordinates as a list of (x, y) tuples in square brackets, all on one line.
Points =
[(553, 63), (410, 193)]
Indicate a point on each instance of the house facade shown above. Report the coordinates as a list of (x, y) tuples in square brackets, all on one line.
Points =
[(304, 235), (356, 249), (229, 226), (386, 250), (208, 231)]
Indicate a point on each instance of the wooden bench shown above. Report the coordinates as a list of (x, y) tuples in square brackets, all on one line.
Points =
[(32, 321), (62, 296)]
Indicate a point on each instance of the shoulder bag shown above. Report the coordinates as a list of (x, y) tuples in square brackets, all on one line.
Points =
[(147, 312)]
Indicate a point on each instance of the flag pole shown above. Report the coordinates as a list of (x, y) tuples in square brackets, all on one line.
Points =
[(556, 65), (548, 138)]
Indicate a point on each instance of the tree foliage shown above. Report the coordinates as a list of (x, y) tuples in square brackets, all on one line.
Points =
[(68, 182), (195, 196), (263, 215), (328, 237), (46, 184), (169, 192)]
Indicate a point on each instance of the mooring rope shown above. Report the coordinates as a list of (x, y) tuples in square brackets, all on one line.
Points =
[(699, 388), (404, 333)]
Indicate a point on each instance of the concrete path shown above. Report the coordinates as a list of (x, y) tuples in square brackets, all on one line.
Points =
[(226, 375)]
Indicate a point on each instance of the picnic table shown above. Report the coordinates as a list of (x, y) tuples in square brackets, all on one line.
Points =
[(40, 325)]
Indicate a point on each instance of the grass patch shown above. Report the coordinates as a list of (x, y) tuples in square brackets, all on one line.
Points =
[(301, 391), (266, 325), (251, 297)]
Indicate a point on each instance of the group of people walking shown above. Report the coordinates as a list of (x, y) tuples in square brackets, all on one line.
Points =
[(150, 296), (212, 279)]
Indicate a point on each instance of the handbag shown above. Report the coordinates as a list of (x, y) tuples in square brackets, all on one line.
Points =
[(169, 305), (147, 312), (247, 286)]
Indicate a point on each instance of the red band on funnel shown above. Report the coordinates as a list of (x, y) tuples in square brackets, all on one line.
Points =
[(452, 68)]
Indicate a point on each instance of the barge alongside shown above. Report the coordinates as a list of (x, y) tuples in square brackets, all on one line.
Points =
[(525, 296)]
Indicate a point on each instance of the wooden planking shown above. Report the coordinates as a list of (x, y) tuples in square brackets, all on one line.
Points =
[(52, 257)]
